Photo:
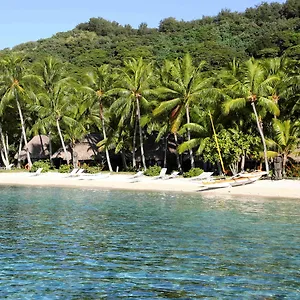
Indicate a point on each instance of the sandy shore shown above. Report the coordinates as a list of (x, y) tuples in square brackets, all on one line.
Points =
[(263, 188)]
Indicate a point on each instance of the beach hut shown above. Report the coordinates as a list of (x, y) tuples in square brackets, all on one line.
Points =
[(83, 151), (38, 148)]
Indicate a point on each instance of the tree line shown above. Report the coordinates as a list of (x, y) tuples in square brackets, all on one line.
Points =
[(252, 107)]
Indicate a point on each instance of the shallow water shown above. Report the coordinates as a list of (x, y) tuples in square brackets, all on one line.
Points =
[(83, 244)]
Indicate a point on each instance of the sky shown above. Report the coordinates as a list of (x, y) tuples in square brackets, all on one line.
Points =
[(23, 21)]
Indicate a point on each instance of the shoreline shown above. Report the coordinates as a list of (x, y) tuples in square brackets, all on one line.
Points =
[(289, 189)]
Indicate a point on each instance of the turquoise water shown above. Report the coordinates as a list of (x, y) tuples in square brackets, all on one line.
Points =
[(84, 244)]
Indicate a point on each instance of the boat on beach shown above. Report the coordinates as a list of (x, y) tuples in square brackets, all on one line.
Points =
[(237, 180)]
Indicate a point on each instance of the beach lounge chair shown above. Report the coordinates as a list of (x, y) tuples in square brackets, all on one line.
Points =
[(173, 175), (75, 172), (79, 172), (138, 174), (38, 172), (162, 174), (136, 177), (202, 176)]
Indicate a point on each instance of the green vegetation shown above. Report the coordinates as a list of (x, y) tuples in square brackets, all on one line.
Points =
[(137, 86), (193, 172), (45, 164), (153, 171)]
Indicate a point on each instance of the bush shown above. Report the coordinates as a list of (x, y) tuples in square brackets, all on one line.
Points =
[(65, 168), (153, 171), (193, 172), (293, 170), (45, 164), (94, 169)]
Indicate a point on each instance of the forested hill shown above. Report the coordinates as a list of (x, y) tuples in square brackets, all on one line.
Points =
[(268, 30)]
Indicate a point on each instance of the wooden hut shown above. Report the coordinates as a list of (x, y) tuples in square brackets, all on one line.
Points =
[(38, 148), (83, 151)]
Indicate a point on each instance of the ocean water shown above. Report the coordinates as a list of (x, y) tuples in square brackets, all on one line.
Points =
[(91, 244)]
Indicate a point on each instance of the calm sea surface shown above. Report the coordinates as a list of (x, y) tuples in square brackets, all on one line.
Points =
[(86, 244)]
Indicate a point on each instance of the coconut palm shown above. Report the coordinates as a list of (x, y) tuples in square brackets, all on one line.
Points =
[(251, 84), (52, 103), (182, 86), (101, 82), (286, 140), (133, 92), (14, 85)]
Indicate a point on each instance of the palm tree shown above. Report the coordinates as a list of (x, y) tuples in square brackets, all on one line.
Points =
[(253, 85), (183, 85), (14, 85), (101, 82), (53, 102), (133, 91), (286, 140)]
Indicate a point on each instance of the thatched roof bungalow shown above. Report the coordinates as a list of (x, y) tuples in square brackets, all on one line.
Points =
[(38, 148), (84, 150)]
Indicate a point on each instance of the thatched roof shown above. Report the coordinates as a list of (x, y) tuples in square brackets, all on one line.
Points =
[(37, 147), (86, 149), (295, 158)]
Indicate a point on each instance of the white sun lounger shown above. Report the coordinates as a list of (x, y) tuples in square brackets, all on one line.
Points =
[(173, 175), (202, 176), (162, 174), (138, 174), (136, 177), (38, 172), (76, 172)]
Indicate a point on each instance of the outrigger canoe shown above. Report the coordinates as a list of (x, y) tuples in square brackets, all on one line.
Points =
[(239, 179)]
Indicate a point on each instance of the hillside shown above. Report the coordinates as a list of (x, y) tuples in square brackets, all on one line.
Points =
[(268, 30)]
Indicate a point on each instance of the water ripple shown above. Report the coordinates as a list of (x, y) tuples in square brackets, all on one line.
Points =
[(82, 244)]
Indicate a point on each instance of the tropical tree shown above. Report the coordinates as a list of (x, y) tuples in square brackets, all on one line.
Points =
[(133, 91), (286, 140), (53, 102), (101, 82), (182, 86), (14, 86), (253, 85)]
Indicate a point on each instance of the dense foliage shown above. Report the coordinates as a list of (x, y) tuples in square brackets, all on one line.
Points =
[(234, 76)]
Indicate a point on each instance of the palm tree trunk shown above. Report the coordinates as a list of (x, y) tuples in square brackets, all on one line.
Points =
[(141, 133), (284, 164), (4, 149), (124, 160), (177, 155), (24, 133), (134, 144), (165, 151), (262, 138), (106, 150), (50, 149), (19, 152), (62, 140), (243, 161), (189, 137)]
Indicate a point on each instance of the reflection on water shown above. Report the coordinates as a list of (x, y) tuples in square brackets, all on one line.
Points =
[(84, 244)]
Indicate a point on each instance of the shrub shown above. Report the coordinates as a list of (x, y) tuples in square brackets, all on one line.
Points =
[(45, 164), (153, 171), (64, 168), (130, 168), (193, 172), (94, 169)]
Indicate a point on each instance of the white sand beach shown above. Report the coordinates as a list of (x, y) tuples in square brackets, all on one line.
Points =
[(263, 188)]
